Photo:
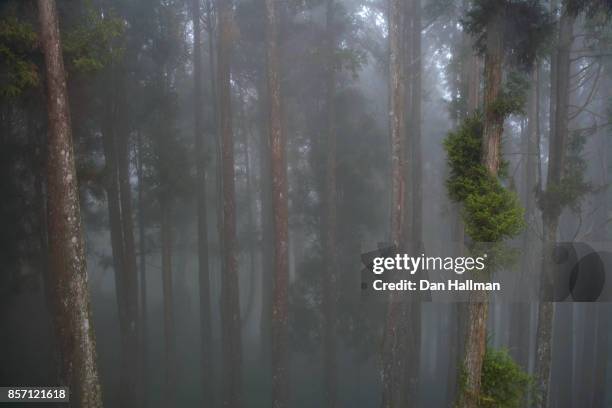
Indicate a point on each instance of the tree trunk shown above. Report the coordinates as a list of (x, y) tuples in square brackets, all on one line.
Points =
[(417, 153), (562, 379), (203, 272), (280, 356), (493, 121), (230, 295), (168, 301), (520, 325), (550, 216), (391, 370), (118, 192), (599, 386), (130, 266), (267, 249), (493, 127), (330, 377), (142, 248), (72, 314)]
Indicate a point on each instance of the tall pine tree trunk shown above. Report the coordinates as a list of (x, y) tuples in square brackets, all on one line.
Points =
[(142, 249), (130, 265), (118, 192), (168, 300), (203, 271), (392, 371), (520, 324), (550, 215), (68, 278), (417, 153), (476, 343), (329, 219), (280, 351), (230, 295), (471, 88)]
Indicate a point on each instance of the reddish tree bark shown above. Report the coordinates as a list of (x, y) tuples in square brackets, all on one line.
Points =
[(203, 271), (280, 360), (68, 277), (230, 300)]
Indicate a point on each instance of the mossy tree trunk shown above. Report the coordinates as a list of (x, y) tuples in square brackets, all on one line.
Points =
[(476, 342)]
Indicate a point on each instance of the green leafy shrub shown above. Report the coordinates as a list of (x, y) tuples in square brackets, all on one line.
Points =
[(504, 384), (491, 212)]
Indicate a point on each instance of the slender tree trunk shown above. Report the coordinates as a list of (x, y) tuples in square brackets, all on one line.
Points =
[(329, 218), (130, 265), (168, 301), (391, 370), (520, 325), (72, 314), (142, 249), (493, 127), (562, 381), (471, 86), (118, 191), (230, 296), (599, 387), (267, 249), (203, 272), (417, 153), (280, 352), (550, 216)]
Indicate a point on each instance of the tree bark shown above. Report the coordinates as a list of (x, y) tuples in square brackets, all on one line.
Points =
[(391, 370), (203, 271), (72, 314), (142, 249), (550, 216), (230, 295), (118, 191), (417, 154), (280, 352), (562, 378), (599, 387), (130, 266), (168, 300), (493, 127), (330, 222)]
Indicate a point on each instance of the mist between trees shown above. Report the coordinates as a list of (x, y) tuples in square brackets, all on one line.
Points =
[(188, 187)]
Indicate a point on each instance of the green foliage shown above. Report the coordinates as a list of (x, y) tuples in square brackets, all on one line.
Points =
[(93, 44), (573, 188), (17, 71), (512, 98), (491, 212), (503, 382), (526, 27)]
